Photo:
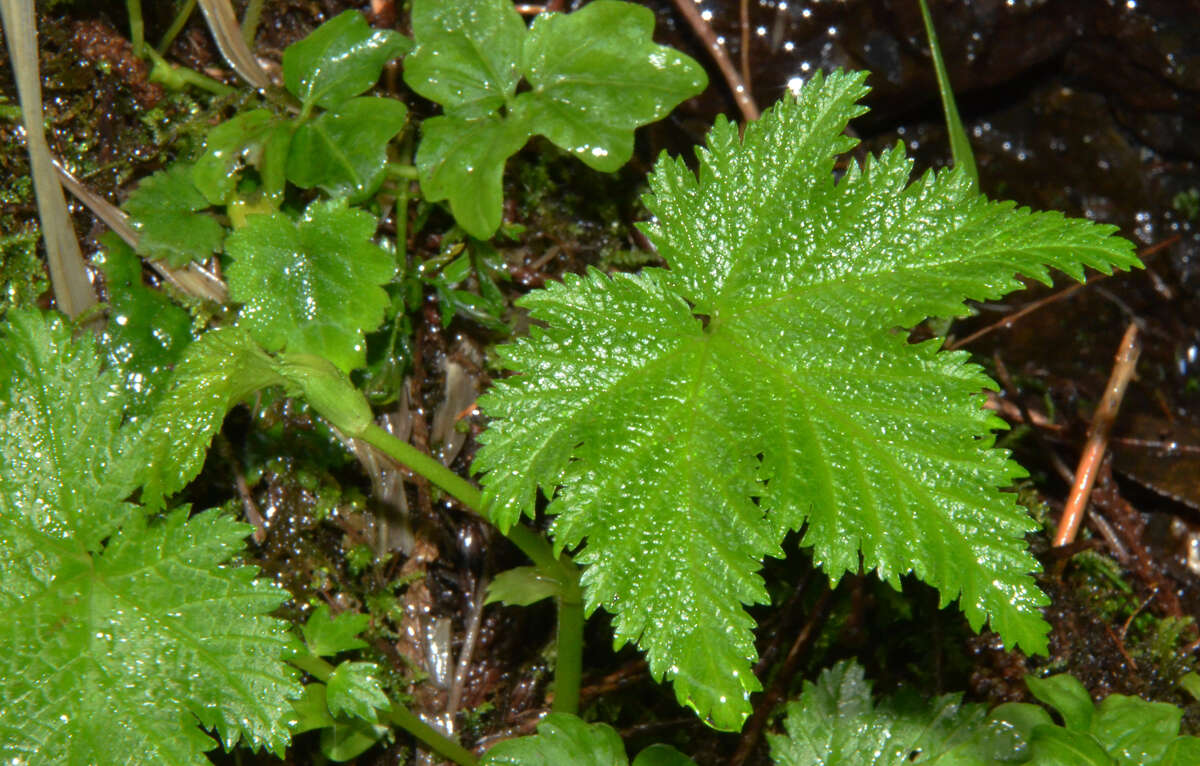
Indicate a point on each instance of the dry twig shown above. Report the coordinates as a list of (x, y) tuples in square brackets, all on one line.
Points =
[(1097, 442), (741, 92)]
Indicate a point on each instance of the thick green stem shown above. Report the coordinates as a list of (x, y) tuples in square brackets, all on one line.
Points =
[(176, 26), (405, 172), (569, 668), (398, 714), (177, 78), (312, 664), (403, 452), (433, 739), (535, 546), (137, 27)]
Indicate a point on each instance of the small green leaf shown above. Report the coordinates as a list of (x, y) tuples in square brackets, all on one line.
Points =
[(146, 332), (1136, 731), (1023, 717), (1065, 694), (353, 690), (596, 74), (339, 60), (236, 142), (662, 755), (311, 286), (163, 209), (217, 371), (1055, 746), (467, 54), (1190, 683), (326, 635), (310, 711), (521, 586), (836, 723), (561, 739), (463, 161), (1184, 751), (1124, 730), (344, 150)]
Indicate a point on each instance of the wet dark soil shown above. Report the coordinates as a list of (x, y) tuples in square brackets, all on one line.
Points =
[(1092, 108)]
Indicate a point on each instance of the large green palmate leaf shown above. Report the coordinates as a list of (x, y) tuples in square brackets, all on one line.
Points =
[(121, 634), (684, 420)]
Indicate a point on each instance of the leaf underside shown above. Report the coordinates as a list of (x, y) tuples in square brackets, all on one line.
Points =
[(684, 420)]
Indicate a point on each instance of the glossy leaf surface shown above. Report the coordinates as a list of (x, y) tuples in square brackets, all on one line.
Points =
[(521, 586), (217, 371), (467, 54), (596, 74), (463, 161), (836, 723), (122, 636), (1121, 729), (685, 420), (313, 285), (237, 142), (344, 150), (146, 332), (327, 635), (353, 690), (62, 481), (163, 210), (339, 60)]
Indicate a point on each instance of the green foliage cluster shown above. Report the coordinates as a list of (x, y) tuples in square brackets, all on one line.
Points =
[(681, 420), (594, 75), (1120, 730), (835, 722)]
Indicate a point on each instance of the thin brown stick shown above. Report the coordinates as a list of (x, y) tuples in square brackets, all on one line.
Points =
[(1010, 319), (752, 733), (253, 515), (741, 93), (744, 22), (1097, 442), (1032, 307)]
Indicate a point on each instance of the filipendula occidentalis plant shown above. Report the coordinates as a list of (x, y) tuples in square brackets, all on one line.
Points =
[(683, 420), (753, 388)]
